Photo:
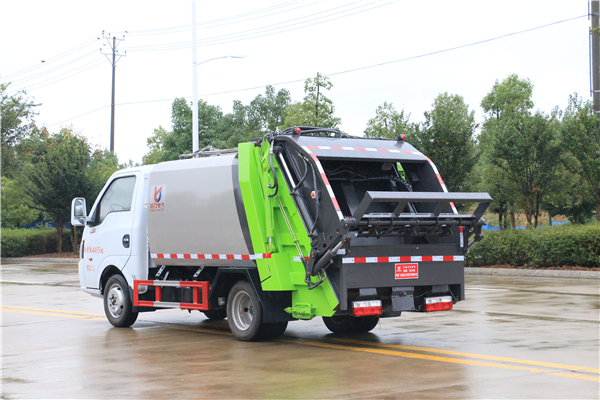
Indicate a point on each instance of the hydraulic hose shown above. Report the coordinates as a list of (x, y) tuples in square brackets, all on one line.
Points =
[(304, 177), (275, 184), (317, 199)]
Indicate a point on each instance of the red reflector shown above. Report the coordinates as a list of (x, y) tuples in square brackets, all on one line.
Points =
[(363, 308), (298, 130), (438, 303), (438, 307)]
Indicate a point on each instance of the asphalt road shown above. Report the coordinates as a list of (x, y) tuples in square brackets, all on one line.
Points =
[(514, 337)]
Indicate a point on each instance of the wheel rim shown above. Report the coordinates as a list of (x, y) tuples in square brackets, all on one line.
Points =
[(114, 301), (243, 310)]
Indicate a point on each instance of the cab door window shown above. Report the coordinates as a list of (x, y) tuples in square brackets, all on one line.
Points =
[(117, 198)]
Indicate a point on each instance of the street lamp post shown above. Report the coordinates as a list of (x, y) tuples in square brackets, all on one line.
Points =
[(195, 137)]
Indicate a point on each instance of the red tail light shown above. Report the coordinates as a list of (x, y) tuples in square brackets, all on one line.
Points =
[(363, 308), (438, 303)]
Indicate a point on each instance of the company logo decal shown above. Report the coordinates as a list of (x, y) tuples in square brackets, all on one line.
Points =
[(157, 201)]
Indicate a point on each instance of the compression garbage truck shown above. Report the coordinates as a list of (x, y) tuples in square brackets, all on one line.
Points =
[(301, 223)]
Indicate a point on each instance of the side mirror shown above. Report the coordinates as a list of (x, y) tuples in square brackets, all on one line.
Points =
[(78, 216)]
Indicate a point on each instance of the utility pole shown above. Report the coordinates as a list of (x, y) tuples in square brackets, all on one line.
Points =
[(195, 138), (115, 58), (595, 55)]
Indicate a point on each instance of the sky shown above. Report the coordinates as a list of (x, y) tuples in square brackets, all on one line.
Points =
[(373, 51)]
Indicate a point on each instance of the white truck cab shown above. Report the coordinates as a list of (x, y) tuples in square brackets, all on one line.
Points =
[(116, 231)]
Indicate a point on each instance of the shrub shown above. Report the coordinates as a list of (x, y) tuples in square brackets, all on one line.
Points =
[(565, 245), (28, 242)]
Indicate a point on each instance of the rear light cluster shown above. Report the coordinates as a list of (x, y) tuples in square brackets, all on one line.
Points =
[(438, 303), (369, 307)]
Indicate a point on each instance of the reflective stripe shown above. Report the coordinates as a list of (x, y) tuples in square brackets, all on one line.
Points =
[(324, 177), (213, 256), (391, 259)]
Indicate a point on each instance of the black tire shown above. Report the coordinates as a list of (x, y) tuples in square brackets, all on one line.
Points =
[(274, 330), (349, 324), (216, 314), (339, 323), (118, 306), (365, 324), (244, 313)]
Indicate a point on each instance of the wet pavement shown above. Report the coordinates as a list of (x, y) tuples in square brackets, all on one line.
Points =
[(514, 337)]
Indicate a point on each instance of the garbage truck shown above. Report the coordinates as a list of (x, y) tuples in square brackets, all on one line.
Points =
[(302, 223)]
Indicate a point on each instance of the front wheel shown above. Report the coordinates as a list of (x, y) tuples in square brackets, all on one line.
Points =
[(118, 306), (244, 312)]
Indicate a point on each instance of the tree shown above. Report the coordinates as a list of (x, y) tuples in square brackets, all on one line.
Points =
[(502, 190), (17, 116), (580, 130), (447, 137), (236, 127), (316, 109), (525, 145), (388, 123), (65, 170), (268, 112), (15, 213), (167, 146), (156, 144)]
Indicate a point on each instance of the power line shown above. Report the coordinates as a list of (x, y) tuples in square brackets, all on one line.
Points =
[(254, 33), (202, 25), (39, 74), (96, 64), (50, 60), (343, 72)]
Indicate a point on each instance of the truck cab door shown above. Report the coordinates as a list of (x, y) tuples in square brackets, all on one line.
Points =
[(108, 238)]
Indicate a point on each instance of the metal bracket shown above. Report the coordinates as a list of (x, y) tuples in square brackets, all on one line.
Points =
[(198, 271)]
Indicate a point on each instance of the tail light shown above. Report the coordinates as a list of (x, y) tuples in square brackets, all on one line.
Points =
[(438, 303), (370, 307)]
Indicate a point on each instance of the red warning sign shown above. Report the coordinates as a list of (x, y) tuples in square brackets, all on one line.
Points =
[(407, 271)]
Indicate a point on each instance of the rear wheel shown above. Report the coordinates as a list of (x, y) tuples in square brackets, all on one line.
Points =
[(350, 324), (244, 312), (366, 324), (118, 306), (216, 314), (339, 323)]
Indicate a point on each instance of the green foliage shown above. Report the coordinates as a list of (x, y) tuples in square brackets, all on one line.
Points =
[(580, 130), (571, 198), (156, 144), (388, 123), (28, 242), (316, 109), (65, 169), (512, 97), (167, 146), (264, 114), (17, 114), (570, 245), (447, 138), (525, 146), (236, 127), (15, 212), (268, 112)]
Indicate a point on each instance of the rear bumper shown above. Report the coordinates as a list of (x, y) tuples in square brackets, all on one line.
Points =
[(401, 282)]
